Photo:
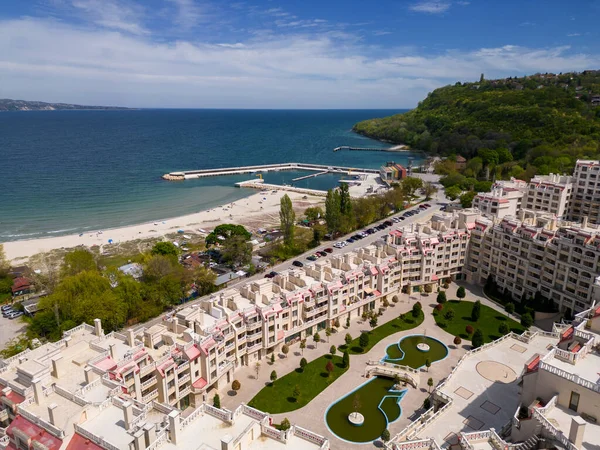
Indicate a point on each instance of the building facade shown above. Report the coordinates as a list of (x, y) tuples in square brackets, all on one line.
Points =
[(586, 192)]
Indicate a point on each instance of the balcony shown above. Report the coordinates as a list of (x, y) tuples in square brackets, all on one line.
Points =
[(151, 396), (185, 391), (148, 383), (184, 379), (146, 370)]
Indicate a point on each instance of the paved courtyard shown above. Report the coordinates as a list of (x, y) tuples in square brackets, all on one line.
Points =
[(312, 415)]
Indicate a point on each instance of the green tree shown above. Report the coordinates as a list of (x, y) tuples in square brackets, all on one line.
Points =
[(453, 192), (466, 199), (476, 311), (503, 329), (272, 358), (165, 248), (217, 401), (430, 384), (287, 218), (346, 358), (316, 339), (526, 320), (332, 350), (313, 213), (4, 264), (477, 340), (333, 211), (302, 345), (303, 363), (461, 293), (285, 424), (273, 376), (285, 350), (204, 279), (345, 202), (509, 308), (441, 297), (410, 185), (296, 392), (373, 322), (427, 364), (236, 251), (225, 231), (416, 309), (449, 314), (429, 189), (77, 261), (363, 340), (257, 368), (348, 338), (328, 333)]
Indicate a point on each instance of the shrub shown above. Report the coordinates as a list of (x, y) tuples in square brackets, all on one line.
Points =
[(477, 340), (457, 340), (460, 292), (332, 350), (285, 350), (385, 436), (416, 309), (526, 320), (273, 376), (427, 403), (469, 330), (285, 424), (509, 308), (439, 307), (503, 329), (329, 367), (449, 314), (236, 385), (217, 401), (363, 341), (476, 311), (441, 298), (348, 338), (395, 299), (303, 363), (346, 359), (373, 322)]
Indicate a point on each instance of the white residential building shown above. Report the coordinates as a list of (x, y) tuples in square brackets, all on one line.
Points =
[(586, 192), (549, 193)]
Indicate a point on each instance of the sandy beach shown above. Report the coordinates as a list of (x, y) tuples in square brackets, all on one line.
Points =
[(258, 210)]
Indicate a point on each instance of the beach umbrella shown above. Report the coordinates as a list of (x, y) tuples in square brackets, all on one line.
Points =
[(110, 241)]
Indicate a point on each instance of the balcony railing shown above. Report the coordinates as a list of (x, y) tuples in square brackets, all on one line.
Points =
[(148, 383), (151, 396)]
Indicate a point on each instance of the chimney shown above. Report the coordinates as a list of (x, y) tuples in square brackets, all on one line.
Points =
[(576, 431), (147, 339), (174, 426), (98, 328), (111, 351), (53, 414), (58, 367), (139, 440), (150, 433), (130, 338), (127, 414), (38, 393), (226, 442), (584, 222), (90, 375)]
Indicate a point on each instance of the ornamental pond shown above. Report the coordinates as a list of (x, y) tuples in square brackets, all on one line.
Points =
[(378, 400)]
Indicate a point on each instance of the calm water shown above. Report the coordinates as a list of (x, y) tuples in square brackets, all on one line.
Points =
[(71, 171)]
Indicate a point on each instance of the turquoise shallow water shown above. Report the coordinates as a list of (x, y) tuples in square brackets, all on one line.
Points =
[(71, 171)]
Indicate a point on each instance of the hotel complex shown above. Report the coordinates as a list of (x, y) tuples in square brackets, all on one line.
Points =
[(129, 391)]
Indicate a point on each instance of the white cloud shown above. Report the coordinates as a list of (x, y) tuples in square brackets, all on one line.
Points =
[(52, 61), (573, 34), (430, 7), (113, 14), (188, 13)]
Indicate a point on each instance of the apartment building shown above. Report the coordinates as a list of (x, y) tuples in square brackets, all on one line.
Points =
[(586, 192), (537, 253), (549, 193), (112, 392), (505, 198)]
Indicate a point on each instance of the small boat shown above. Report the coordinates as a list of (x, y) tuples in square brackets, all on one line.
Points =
[(180, 231)]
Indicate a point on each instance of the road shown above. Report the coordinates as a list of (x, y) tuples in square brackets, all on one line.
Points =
[(436, 204)]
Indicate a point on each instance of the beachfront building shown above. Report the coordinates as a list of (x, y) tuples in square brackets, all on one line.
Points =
[(392, 172), (586, 192), (505, 198), (537, 390), (536, 253), (549, 193), (97, 391)]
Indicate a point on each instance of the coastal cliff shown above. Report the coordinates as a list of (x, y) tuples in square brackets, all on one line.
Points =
[(544, 120), (7, 104)]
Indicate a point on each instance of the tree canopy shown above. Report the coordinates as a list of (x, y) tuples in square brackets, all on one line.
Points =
[(226, 231)]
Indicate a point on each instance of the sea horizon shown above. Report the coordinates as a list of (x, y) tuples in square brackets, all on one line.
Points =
[(89, 170)]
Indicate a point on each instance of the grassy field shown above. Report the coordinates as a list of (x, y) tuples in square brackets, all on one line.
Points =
[(382, 331), (489, 321), (278, 397)]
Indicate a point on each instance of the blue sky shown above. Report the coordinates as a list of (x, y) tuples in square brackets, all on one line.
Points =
[(282, 54)]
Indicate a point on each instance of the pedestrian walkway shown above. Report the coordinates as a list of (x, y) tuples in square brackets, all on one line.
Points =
[(312, 415)]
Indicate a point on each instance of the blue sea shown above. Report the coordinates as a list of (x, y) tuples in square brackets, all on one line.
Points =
[(66, 172)]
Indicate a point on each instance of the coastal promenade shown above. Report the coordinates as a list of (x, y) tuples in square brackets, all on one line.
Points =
[(189, 174)]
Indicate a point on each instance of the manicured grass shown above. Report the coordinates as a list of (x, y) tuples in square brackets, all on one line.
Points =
[(489, 321), (279, 396), (382, 331)]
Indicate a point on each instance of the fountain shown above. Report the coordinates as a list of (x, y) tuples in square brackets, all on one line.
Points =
[(356, 419), (422, 346)]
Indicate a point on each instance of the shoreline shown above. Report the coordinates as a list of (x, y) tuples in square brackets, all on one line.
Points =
[(255, 211)]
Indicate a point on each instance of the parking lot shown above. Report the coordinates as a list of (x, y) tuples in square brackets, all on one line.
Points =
[(10, 329)]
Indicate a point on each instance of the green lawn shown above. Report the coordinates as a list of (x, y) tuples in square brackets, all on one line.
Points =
[(488, 322), (378, 333), (278, 397)]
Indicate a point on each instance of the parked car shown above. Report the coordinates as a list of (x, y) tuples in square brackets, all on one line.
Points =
[(8, 312), (350, 240), (312, 258), (6, 307), (15, 314), (329, 250), (297, 264), (322, 253)]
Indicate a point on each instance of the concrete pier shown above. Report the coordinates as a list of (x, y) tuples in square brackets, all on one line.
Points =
[(312, 175), (186, 175), (399, 148)]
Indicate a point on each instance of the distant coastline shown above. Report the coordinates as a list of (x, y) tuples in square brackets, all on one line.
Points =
[(7, 105)]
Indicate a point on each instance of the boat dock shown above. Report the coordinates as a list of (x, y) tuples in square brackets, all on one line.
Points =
[(398, 148), (321, 169), (312, 175)]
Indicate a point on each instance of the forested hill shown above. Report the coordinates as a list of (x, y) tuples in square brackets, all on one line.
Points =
[(7, 104), (547, 121)]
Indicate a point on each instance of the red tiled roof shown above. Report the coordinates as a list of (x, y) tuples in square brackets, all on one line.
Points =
[(192, 353), (20, 283), (200, 383), (14, 397), (78, 442), (35, 432)]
